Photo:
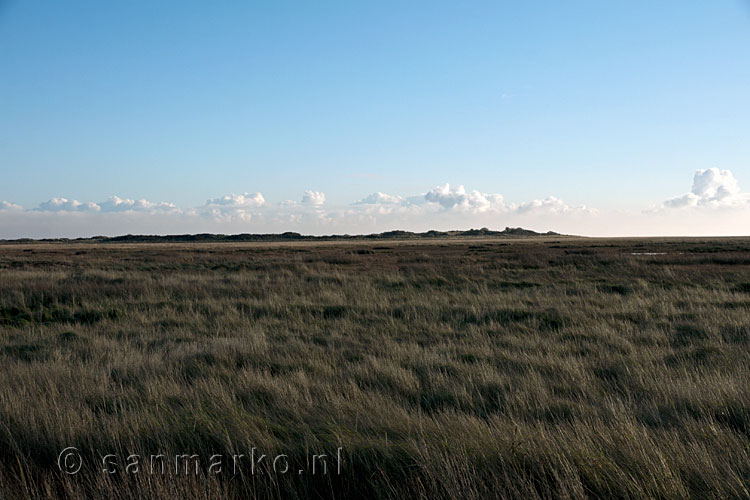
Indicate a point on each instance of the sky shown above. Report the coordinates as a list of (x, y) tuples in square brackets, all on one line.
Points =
[(586, 117)]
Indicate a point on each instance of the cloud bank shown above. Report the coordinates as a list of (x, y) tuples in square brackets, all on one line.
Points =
[(443, 207), (113, 204), (66, 205)]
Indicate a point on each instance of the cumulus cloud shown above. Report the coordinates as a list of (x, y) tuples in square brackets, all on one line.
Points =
[(313, 198), (113, 204), (711, 188), (379, 204), (233, 206), (66, 205), (238, 200), (715, 184), (117, 204), (549, 205), (6, 205), (458, 198), (380, 198)]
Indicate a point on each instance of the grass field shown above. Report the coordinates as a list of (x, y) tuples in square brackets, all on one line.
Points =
[(475, 368)]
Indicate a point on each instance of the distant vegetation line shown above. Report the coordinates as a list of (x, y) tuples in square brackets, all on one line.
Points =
[(291, 236)]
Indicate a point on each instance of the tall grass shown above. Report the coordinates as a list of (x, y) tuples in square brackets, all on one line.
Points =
[(471, 369)]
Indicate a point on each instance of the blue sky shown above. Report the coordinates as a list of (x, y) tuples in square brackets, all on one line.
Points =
[(609, 105)]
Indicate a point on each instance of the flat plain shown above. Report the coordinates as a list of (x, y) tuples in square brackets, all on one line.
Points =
[(450, 368)]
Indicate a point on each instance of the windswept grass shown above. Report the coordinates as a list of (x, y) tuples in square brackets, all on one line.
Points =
[(450, 369)]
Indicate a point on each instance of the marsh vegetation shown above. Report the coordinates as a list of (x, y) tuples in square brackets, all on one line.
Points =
[(471, 368)]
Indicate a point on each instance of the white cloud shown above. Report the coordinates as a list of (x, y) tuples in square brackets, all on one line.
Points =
[(715, 184), (476, 202), (242, 207), (113, 204), (313, 198), (238, 200), (65, 205), (549, 205), (380, 198), (6, 205), (686, 200), (458, 199), (712, 188), (117, 204)]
